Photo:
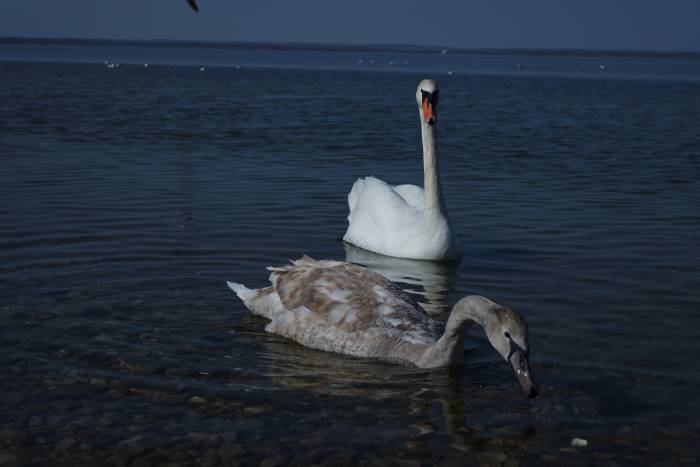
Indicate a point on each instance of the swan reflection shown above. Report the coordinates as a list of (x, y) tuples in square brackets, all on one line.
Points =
[(429, 282)]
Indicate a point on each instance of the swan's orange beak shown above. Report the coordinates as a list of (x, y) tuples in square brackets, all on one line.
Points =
[(429, 112)]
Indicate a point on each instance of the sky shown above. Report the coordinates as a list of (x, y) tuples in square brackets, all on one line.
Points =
[(671, 25)]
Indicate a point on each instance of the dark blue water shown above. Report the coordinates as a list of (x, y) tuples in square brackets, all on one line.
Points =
[(129, 195)]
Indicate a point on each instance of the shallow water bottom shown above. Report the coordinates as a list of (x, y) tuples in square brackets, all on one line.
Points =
[(245, 397)]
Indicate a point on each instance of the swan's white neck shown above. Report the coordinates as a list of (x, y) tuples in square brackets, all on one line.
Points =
[(434, 202)]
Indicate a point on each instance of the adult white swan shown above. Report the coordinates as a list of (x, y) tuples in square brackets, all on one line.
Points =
[(345, 308), (406, 221)]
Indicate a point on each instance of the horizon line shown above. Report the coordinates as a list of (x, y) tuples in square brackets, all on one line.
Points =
[(320, 46)]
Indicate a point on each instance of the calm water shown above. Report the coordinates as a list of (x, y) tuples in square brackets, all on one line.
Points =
[(128, 196)]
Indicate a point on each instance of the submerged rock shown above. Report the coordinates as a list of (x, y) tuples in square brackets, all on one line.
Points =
[(579, 442), (8, 459)]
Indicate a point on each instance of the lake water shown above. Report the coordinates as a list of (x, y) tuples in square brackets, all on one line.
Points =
[(129, 195)]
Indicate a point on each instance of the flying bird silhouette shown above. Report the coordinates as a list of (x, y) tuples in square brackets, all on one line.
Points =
[(193, 4)]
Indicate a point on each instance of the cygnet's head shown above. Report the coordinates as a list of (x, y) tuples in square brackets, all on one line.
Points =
[(506, 330), (427, 98), (509, 337)]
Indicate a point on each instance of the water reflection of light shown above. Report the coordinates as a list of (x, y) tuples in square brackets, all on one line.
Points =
[(429, 282)]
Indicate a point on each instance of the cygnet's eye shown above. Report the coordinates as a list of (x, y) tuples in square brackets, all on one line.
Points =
[(507, 334)]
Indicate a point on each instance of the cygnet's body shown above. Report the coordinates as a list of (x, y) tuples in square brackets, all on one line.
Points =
[(345, 308)]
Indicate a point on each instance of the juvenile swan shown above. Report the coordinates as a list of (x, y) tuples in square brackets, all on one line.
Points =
[(406, 221), (345, 308)]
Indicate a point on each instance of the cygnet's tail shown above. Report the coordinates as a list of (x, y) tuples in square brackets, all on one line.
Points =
[(263, 302), (243, 292)]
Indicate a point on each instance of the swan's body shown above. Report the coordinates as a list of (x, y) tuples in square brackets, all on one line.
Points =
[(405, 221), (345, 308)]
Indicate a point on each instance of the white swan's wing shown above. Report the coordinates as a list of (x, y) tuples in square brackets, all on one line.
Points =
[(392, 221), (381, 220), (371, 194), (413, 195), (354, 195), (347, 308)]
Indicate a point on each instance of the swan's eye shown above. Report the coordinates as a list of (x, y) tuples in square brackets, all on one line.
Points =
[(431, 97), (507, 334)]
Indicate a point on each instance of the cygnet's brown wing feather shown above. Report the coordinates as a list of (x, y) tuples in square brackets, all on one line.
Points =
[(347, 303)]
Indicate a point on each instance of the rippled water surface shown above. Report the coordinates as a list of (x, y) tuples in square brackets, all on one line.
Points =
[(128, 196)]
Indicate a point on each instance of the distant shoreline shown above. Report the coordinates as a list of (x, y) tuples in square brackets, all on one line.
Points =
[(343, 47)]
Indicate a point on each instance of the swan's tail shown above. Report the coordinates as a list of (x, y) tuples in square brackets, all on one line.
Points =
[(243, 292), (354, 195), (264, 302)]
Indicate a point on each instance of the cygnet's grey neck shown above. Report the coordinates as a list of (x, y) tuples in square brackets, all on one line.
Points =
[(447, 351)]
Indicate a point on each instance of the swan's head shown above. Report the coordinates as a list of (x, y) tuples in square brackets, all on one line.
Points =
[(508, 335), (427, 98), (507, 332)]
